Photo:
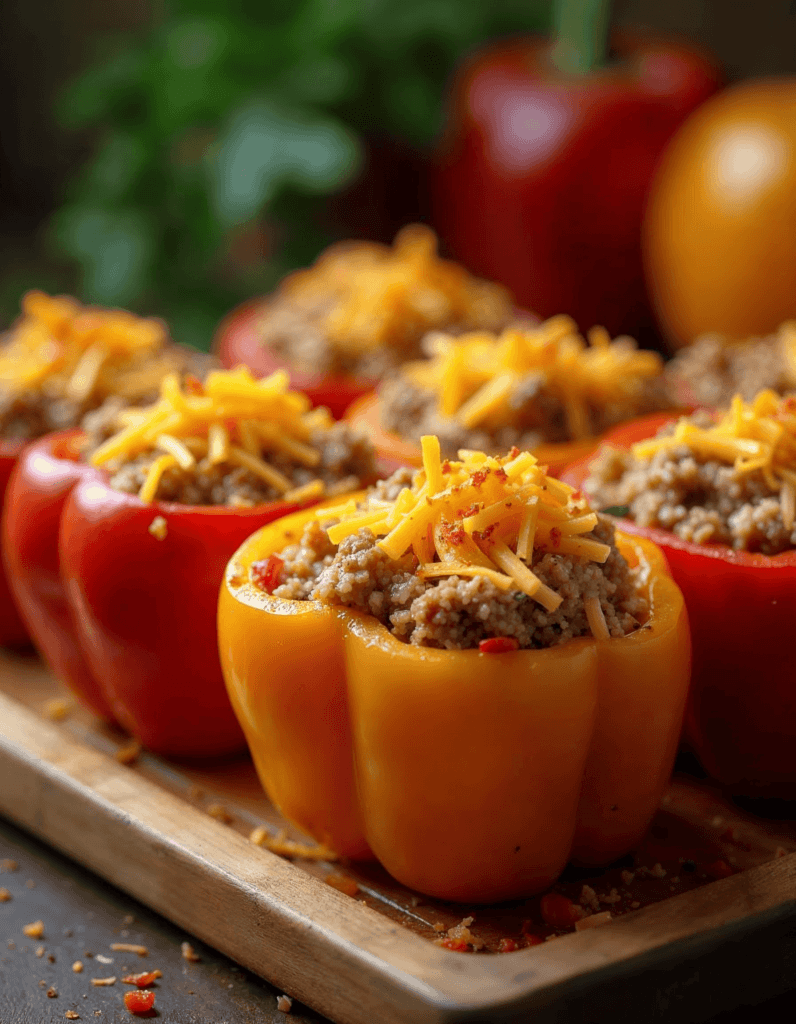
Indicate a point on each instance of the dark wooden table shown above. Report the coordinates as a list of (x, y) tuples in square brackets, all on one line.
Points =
[(83, 916)]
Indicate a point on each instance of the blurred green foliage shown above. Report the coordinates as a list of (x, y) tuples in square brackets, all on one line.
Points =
[(221, 129)]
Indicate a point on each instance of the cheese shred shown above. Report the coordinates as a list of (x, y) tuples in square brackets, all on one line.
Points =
[(479, 516), (750, 436), (476, 376), (233, 419)]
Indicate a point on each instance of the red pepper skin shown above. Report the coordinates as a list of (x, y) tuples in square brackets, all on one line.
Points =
[(741, 714), (44, 476), (238, 342), (145, 611), (139, 1001), (542, 178), (12, 629)]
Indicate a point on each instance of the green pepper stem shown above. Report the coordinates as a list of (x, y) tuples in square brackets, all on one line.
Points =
[(581, 35)]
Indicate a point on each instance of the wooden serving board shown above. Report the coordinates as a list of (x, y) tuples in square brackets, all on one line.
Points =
[(353, 944)]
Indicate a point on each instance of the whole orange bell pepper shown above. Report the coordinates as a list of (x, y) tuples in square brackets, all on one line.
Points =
[(470, 776)]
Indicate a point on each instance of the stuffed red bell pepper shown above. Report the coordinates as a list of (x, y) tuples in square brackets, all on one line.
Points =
[(718, 494), (541, 388), (461, 671), (61, 361), (361, 310), (146, 530)]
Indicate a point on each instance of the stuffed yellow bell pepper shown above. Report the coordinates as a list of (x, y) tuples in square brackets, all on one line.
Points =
[(460, 673)]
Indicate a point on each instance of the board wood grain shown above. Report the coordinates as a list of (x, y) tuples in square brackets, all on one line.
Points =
[(357, 964)]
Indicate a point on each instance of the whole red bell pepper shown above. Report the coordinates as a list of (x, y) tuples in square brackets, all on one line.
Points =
[(45, 473), (144, 606), (12, 629), (544, 167), (741, 716)]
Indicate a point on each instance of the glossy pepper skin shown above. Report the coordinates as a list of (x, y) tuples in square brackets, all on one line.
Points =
[(237, 342), (44, 476), (12, 629), (470, 776), (144, 610), (720, 228), (542, 177), (741, 715)]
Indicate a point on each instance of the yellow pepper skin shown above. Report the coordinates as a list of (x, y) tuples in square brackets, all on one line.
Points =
[(470, 776)]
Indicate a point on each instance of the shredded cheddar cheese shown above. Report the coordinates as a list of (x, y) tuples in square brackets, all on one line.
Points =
[(391, 296), (73, 351), (233, 418), (476, 375), (482, 515), (757, 435)]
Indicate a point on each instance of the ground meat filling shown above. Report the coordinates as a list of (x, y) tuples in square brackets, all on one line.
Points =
[(699, 500), (31, 414), (711, 371), (454, 612), (346, 461), (538, 416)]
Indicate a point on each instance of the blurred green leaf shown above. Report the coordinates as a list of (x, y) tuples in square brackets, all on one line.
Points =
[(115, 249), (266, 149)]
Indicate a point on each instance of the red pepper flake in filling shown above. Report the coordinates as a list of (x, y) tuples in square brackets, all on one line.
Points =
[(555, 536), (193, 385), (143, 979), (560, 912), (139, 1000), (457, 945), (451, 532), (498, 644), (266, 574)]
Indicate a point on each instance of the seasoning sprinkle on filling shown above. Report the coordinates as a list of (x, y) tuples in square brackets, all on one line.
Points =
[(451, 556)]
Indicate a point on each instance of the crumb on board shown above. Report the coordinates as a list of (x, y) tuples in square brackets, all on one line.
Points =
[(128, 919), (5, 895), (129, 947), (128, 753), (284, 847), (99, 982), (159, 528), (189, 953), (52, 992), (30, 884), (35, 930), (342, 884), (588, 898), (220, 813), (459, 938), (77, 966), (6, 864), (57, 709), (284, 1003), (103, 959), (593, 920), (40, 951), (142, 980), (71, 1015), (11, 944)]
